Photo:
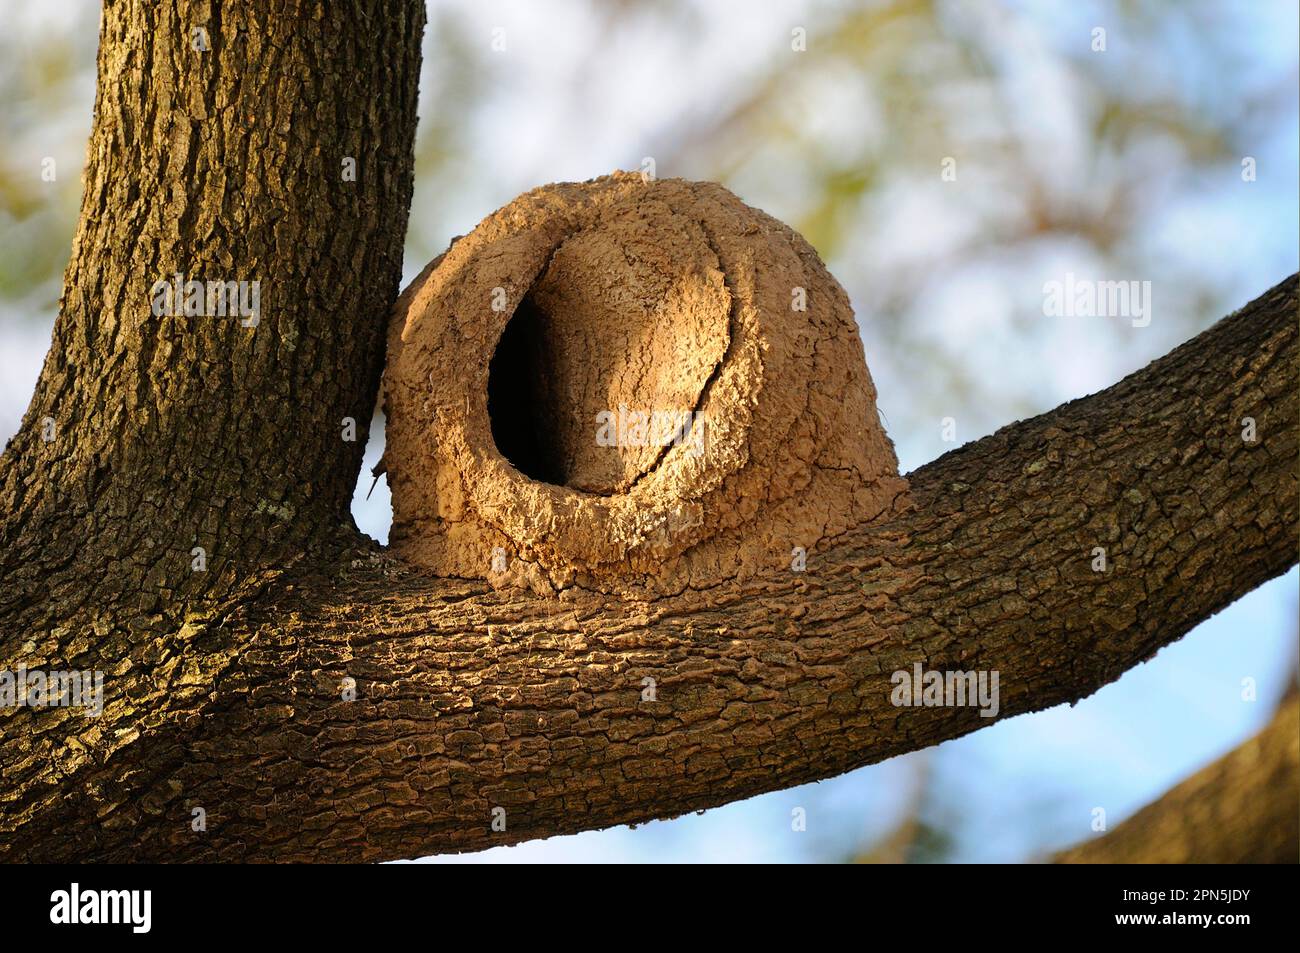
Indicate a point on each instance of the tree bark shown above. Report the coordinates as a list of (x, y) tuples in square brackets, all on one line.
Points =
[(225, 689), (221, 162), (1242, 809)]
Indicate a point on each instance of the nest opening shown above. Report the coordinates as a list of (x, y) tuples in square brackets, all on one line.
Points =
[(521, 388)]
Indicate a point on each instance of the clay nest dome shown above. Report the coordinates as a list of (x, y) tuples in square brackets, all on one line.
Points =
[(622, 384)]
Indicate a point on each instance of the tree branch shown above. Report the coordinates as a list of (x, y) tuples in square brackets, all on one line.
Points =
[(470, 700), (1242, 809)]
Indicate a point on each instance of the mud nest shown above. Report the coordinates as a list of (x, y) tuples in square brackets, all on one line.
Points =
[(622, 384)]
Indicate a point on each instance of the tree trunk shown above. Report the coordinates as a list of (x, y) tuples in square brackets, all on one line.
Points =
[(481, 717), (224, 162), (218, 152), (1242, 809)]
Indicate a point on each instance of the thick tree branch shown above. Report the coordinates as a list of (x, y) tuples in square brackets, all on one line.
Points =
[(470, 700), (1242, 809), (263, 143)]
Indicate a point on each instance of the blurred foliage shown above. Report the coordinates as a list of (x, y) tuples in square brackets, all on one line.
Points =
[(45, 88), (1070, 150), (924, 834)]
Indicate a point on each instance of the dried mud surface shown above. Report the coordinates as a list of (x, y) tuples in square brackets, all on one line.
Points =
[(624, 297)]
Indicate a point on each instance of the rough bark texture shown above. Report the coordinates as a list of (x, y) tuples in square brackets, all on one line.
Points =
[(224, 163), (225, 690), (218, 152), (470, 699), (1242, 809)]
